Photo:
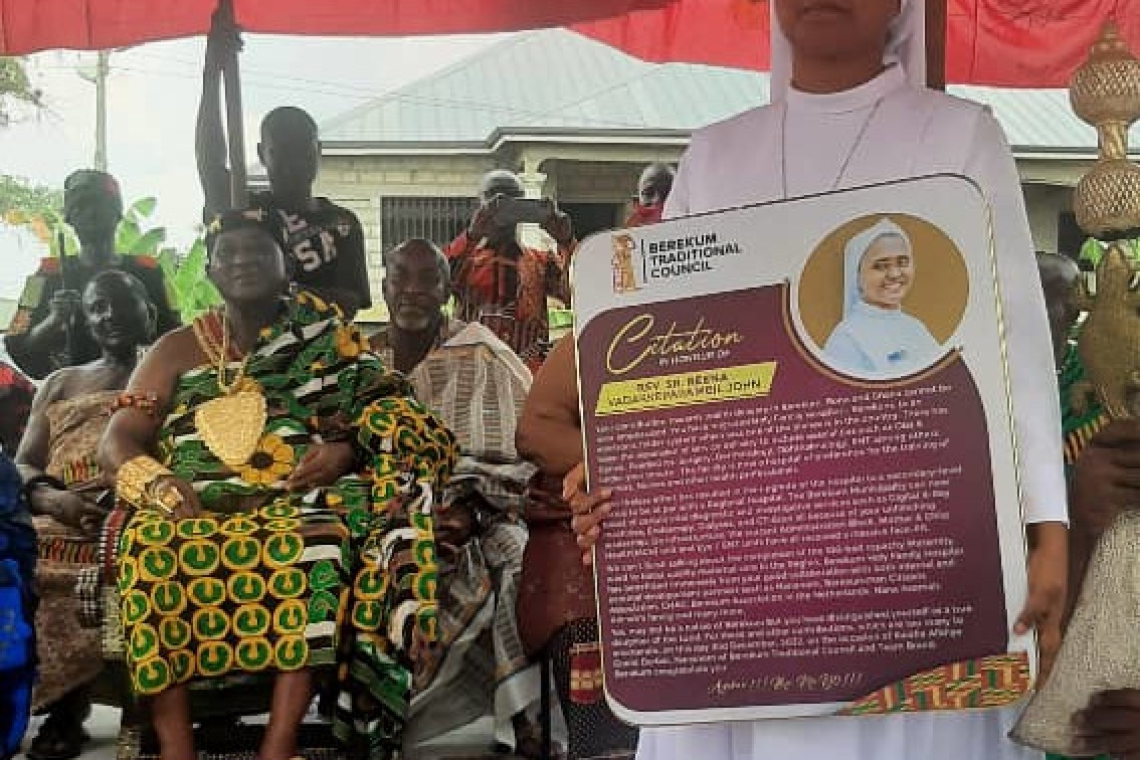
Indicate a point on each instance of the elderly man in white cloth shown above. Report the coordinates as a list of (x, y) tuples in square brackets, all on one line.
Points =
[(850, 108), (477, 385)]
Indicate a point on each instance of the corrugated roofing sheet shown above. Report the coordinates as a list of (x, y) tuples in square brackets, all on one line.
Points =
[(558, 80)]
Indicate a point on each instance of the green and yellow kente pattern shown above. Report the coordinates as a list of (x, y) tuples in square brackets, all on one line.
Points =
[(268, 580)]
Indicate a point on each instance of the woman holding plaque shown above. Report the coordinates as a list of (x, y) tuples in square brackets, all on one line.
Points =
[(850, 108), (876, 337)]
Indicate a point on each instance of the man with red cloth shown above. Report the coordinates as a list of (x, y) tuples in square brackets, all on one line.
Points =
[(653, 190), (503, 283)]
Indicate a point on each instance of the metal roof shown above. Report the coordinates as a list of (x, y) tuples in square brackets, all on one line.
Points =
[(556, 81)]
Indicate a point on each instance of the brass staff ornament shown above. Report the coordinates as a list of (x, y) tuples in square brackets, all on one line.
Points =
[(1101, 649)]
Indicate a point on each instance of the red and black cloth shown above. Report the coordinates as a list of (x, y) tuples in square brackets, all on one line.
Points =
[(16, 394), (505, 288)]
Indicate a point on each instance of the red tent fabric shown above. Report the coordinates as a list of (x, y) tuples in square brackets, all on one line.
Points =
[(27, 26), (1005, 43), (1015, 43), (413, 17), (30, 25)]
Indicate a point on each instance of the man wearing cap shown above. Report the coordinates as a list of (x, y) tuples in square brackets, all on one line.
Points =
[(48, 330)]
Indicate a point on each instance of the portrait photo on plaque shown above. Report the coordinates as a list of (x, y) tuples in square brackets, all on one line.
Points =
[(881, 296)]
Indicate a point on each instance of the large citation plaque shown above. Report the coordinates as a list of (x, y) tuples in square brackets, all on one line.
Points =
[(803, 410)]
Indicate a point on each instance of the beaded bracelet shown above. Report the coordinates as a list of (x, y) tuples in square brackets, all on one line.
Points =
[(147, 403)]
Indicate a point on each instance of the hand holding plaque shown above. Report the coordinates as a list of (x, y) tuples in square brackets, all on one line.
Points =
[(801, 411)]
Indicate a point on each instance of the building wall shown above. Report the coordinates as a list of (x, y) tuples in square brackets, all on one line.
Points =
[(593, 174), (591, 182), (1045, 204), (358, 183), (1057, 171)]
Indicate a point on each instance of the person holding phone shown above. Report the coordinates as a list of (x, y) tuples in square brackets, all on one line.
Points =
[(503, 284)]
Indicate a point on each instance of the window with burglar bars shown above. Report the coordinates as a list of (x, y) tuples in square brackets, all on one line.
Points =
[(437, 219)]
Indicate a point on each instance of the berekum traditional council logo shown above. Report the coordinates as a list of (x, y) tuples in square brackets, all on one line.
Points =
[(625, 278)]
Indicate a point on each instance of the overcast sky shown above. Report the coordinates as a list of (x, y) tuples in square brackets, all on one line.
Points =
[(153, 98)]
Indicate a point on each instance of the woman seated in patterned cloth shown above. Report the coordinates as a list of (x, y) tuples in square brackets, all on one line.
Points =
[(284, 496), (69, 499)]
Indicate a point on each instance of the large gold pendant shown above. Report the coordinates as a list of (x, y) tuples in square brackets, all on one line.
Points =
[(231, 426)]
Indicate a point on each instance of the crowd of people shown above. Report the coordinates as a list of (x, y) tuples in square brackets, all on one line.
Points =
[(267, 489), (397, 525)]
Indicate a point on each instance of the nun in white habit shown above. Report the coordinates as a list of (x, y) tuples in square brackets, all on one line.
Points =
[(876, 338), (892, 127), (850, 107)]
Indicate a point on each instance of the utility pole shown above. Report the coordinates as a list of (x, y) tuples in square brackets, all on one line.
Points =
[(98, 77), (102, 68), (936, 44), (235, 125)]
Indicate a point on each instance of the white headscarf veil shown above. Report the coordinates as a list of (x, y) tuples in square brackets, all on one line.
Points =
[(906, 46), (854, 252)]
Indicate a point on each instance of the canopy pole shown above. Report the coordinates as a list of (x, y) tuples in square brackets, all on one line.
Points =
[(936, 44), (235, 126)]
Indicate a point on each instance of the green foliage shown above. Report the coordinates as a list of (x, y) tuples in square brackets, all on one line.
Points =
[(15, 88), (21, 200), (36, 207), (561, 319), (185, 271), (135, 237), (186, 274), (1093, 251)]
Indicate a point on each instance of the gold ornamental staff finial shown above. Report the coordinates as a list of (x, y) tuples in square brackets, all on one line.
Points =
[(1101, 650), (1105, 92)]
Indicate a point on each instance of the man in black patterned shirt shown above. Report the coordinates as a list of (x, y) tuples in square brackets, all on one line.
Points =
[(324, 240)]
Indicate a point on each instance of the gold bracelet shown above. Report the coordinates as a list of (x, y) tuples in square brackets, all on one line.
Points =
[(136, 477)]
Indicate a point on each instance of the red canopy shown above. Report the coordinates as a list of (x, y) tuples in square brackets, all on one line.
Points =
[(1016, 43), (1006, 43), (30, 25)]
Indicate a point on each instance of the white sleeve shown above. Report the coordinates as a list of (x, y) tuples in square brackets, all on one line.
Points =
[(1033, 377)]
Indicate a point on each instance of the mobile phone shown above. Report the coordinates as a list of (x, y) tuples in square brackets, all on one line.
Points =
[(512, 211)]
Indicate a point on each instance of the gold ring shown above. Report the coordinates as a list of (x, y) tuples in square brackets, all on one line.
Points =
[(168, 498)]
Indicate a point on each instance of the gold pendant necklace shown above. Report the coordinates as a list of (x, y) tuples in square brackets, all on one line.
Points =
[(231, 425)]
